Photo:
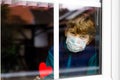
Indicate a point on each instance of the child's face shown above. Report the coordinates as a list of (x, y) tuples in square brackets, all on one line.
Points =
[(81, 36), (76, 42)]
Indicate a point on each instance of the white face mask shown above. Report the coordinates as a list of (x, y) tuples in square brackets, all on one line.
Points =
[(75, 44)]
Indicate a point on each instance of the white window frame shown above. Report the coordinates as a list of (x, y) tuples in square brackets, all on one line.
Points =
[(109, 41)]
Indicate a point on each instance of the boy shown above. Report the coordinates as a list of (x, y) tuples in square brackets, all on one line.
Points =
[(77, 54)]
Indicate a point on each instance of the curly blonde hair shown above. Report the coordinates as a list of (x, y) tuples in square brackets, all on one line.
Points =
[(82, 25)]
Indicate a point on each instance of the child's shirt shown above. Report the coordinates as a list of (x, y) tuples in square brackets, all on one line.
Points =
[(74, 64)]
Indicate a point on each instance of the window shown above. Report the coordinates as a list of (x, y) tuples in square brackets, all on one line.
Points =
[(61, 13)]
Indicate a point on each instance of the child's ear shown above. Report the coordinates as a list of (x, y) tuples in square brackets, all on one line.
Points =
[(89, 40)]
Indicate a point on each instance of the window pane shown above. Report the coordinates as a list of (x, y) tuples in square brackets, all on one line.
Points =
[(27, 40), (79, 41)]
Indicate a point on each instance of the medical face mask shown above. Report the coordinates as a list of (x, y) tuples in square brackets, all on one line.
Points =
[(75, 44)]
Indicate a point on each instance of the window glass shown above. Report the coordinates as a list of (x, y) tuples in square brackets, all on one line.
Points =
[(27, 46), (79, 41), (27, 40)]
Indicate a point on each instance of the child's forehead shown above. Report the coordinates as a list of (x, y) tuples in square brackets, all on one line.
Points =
[(80, 32)]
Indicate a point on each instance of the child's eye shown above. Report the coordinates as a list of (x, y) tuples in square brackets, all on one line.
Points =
[(72, 32), (82, 36)]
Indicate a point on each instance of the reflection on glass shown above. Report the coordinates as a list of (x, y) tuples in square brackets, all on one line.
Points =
[(27, 35), (79, 45)]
